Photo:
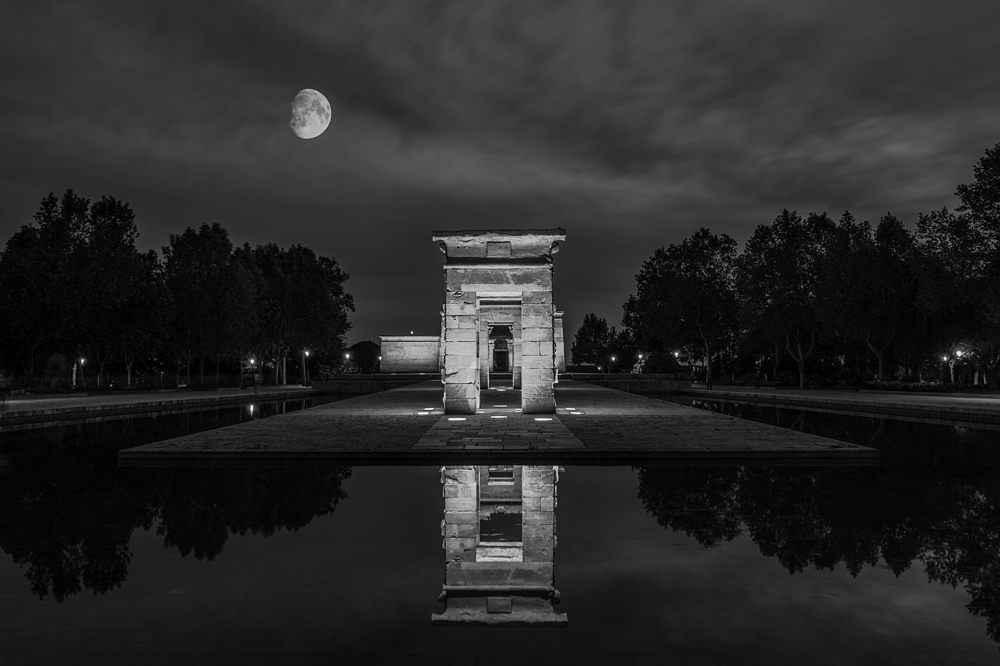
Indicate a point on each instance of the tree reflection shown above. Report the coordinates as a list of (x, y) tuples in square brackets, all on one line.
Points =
[(944, 515), (67, 514)]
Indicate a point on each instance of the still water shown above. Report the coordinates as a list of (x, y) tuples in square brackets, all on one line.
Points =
[(898, 563)]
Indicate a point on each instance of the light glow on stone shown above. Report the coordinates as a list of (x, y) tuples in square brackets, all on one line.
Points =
[(422, 413), (542, 418), (498, 417), (457, 418)]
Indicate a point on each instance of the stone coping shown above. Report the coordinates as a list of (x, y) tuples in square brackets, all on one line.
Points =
[(600, 426), (948, 407), (96, 406)]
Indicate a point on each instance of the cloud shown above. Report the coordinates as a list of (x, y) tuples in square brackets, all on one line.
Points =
[(630, 122)]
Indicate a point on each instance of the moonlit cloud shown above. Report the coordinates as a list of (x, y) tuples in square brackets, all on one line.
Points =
[(629, 123)]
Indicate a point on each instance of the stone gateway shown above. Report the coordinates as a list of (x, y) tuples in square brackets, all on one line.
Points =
[(499, 316)]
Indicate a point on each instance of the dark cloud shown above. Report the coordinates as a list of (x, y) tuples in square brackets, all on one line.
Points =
[(629, 123)]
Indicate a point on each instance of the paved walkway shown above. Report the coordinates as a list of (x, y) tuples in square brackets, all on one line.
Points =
[(33, 408), (593, 425), (498, 426), (967, 407)]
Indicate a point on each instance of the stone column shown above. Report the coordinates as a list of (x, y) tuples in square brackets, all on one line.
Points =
[(537, 354), (557, 328), (461, 354), (484, 352), (515, 354)]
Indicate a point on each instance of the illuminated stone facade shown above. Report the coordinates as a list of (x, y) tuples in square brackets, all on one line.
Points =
[(499, 316)]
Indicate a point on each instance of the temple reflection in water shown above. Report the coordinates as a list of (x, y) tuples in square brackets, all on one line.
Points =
[(499, 532)]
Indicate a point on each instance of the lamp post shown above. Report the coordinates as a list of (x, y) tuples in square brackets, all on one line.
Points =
[(611, 365), (83, 384), (253, 374), (305, 372)]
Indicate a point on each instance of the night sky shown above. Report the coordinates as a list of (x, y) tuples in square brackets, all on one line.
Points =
[(630, 124)]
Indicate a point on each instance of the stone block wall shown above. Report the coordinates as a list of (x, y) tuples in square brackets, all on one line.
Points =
[(409, 353), (461, 353), (537, 353)]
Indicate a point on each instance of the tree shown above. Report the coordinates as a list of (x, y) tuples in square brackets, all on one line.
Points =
[(365, 355), (593, 341), (38, 282), (301, 304), (201, 286), (66, 278), (865, 289), (146, 314), (686, 296), (108, 265), (777, 276)]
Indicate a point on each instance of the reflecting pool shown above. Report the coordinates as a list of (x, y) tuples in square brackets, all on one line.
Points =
[(898, 563)]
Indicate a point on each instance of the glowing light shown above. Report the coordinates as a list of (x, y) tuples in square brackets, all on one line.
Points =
[(251, 410), (82, 361), (959, 353), (457, 418), (422, 413), (944, 358), (612, 358), (307, 353), (347, 356), (542, 418), (640, 357), (498, 417)]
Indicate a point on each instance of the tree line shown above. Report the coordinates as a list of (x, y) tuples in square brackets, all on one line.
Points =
[(75, 290), (827, 300)]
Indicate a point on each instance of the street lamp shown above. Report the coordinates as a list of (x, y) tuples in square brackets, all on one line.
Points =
[(305, 372), (82, 385)]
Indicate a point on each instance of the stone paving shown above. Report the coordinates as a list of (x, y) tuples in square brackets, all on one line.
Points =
[(499, 426), (592, 425)]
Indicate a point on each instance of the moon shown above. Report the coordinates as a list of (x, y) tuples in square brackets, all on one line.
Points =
[(310, 114)]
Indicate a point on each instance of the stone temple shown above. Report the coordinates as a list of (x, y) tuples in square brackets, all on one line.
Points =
[(498, 318)]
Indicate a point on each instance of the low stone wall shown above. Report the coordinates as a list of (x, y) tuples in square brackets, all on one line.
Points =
[(409, 353), (361, 384), (648, 383)]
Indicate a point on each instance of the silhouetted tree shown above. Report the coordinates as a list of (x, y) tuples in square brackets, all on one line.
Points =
[(196, 273), (593, 341), (365, 355), (686, 297), (865, 290), (777, 276)]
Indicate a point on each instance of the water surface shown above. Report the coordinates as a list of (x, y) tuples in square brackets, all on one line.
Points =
[(313, 564)]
